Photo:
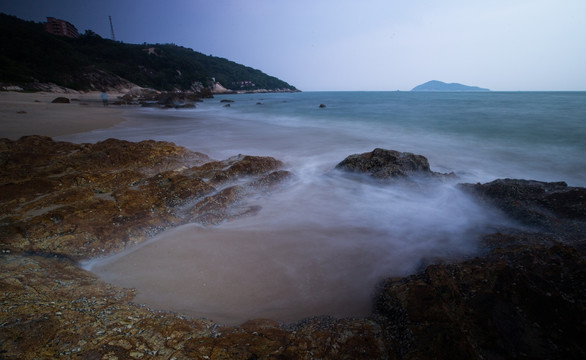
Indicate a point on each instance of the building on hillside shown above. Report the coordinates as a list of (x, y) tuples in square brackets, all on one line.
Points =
[(244, 84), (60, 27)]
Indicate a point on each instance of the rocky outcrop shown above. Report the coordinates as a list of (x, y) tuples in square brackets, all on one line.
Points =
[(92, 78), (522, 297), (219, 89), (86, 78), (82, 200), (553, 207), (53, 309), (388, 165), (163, 100)]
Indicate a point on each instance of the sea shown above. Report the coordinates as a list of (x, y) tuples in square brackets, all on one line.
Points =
[(323, 243)]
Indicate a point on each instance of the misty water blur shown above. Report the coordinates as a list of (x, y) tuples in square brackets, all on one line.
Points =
[(320, 245), (317, 247)]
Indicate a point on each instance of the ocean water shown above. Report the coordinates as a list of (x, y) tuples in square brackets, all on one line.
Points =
[(321, 244)]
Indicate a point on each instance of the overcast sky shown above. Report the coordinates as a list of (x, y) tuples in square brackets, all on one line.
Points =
[(504, 45)]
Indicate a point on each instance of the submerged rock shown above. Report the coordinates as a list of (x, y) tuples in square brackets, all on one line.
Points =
[(388, 164)]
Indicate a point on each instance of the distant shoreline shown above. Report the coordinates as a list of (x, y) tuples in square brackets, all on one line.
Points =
[(32, 113)]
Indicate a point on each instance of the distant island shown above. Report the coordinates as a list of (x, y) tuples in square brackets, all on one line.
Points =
[(435, 85)]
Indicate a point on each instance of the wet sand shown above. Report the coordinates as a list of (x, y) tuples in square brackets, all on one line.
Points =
[(33, 114), (234, 275)]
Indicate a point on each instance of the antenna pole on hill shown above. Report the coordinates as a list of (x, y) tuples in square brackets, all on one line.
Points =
[(112, 28)]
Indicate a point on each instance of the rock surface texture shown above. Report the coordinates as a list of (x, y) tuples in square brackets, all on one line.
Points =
[(389, 165), (523, 297), (552, 207), (83, 200)]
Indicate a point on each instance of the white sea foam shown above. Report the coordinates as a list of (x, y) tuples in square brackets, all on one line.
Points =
[(318, 247), (321, 244)]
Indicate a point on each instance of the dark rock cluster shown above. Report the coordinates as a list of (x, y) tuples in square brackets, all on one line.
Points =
[(552, 207), (522, 297), (163, 100)]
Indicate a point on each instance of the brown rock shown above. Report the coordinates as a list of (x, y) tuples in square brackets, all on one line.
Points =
[(85, 200), (53, 309), (388, 164)]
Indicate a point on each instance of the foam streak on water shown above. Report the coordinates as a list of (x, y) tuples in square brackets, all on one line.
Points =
[(320, 245)]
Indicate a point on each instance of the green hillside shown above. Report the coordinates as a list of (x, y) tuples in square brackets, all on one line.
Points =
[(28, 54)]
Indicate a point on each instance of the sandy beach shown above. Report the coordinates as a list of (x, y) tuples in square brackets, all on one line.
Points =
[(33, 114)]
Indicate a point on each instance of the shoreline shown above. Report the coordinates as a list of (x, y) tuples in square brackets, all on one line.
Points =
[(72, 311), (23, 114), (94, 207)]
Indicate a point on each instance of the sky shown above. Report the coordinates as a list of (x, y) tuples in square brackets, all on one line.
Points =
[(362, 45)]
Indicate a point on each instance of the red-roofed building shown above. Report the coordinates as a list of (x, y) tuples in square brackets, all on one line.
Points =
[(60, 27)]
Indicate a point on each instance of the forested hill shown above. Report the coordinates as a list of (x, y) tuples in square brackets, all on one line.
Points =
[(29, 54), (435, 85)]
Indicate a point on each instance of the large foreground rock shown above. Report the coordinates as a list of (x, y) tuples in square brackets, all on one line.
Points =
[(83, 200), (522, 300)]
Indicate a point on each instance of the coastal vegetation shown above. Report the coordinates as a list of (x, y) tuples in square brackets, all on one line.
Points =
[(28, 55)]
